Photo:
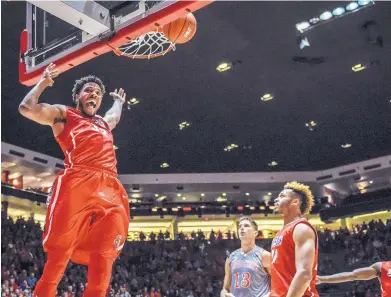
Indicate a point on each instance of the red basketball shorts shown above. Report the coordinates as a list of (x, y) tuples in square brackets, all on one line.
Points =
[(88, 211)]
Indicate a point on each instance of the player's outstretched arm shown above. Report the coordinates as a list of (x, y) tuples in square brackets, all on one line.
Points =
[(42, 113), (304, 239), (113, 115), (365, 273), (225, 292)]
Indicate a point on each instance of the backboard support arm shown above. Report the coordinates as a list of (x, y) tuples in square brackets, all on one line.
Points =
[(86, 15)]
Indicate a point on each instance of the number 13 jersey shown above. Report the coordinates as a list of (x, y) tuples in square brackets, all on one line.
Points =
[(248, 277)]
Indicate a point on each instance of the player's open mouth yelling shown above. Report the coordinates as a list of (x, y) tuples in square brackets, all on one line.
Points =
[(91, 103)]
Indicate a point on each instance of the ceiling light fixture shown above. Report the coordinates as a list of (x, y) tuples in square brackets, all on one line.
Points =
[(302, 26), (273, 163), (224, 66), (351, 6), (346, 145), (311, 125), (183, 125), (164, 165), (230, 147), (267, 97), (358, 67), (338, 11), (335, 13), (326, 16)]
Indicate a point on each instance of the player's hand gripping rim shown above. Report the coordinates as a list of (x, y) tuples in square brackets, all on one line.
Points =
[(49, 73), (120, 95)]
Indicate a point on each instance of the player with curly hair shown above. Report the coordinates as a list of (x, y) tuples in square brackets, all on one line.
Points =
[(88, 213), (294, 252)]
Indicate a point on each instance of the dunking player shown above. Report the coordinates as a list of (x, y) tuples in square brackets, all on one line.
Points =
[(381, 270), (88, 214), (294, 250), (247, 270)]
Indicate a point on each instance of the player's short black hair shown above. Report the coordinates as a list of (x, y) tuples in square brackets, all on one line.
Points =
[(79, 84)]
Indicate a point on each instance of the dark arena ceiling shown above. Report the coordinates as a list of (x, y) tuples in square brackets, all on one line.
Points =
[(315, 83)]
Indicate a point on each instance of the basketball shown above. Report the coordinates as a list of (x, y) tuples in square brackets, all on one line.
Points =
[(181, 30)]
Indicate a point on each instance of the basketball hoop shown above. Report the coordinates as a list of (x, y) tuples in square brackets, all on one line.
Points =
[(148, 46)]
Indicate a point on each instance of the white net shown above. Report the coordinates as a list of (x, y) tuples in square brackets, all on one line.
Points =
[(147, 46)]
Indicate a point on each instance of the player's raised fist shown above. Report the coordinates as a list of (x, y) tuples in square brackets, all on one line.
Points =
[(120, 95), (49, 73)]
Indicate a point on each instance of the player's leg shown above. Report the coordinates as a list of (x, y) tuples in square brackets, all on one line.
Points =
[(66, 218), (107, 237), (52, 274)]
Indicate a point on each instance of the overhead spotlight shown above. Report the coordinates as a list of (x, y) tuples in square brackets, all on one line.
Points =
[(164, 165), (231, 147), (267, 97), (303, 42), (273, 163), (311, 125), (338, 11), (363, 2), (326, 16), (133, 101), (224, 66), (302, 26), (358, 67), (183, 125), (351, 6), (314, 21), (346, 145)]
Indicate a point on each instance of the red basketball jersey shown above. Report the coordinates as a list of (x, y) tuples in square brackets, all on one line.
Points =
[(385, 279), (87, 142), (283, 261)]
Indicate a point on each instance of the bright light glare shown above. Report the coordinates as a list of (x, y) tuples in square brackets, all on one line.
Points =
[(302, 26), (338, 11), (352, 6), (326, 16)]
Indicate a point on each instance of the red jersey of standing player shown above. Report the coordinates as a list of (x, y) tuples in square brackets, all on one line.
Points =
[(294, 252), (88, 212), (381, 270)]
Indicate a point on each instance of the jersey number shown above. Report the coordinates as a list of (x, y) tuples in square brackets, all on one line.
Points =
[(274, 256), (245, 282)]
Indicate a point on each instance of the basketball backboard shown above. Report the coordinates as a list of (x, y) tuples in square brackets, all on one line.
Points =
[(69, 33)]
